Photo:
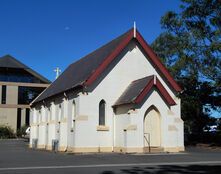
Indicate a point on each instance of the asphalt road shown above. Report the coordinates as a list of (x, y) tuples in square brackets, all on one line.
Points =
[(16, 157)]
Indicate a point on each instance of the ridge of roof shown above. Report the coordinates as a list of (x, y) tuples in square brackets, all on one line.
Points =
[(142, 78)]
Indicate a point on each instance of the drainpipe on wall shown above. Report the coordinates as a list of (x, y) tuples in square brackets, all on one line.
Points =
[(113, 133), (65, 112)]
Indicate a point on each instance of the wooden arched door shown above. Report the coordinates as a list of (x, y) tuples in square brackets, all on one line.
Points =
[(152, 128)]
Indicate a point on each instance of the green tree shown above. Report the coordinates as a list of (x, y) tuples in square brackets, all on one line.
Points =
[(190, 47)]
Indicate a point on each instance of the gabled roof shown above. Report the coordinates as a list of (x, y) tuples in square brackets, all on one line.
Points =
[(78, 72), (86, 70), (8, 61), (133, 90), (138, 89)]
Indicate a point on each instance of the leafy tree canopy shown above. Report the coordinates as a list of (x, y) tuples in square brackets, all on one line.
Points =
[(190, 47)]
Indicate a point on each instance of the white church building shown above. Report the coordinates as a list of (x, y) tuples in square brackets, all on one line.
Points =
[(119, 98)]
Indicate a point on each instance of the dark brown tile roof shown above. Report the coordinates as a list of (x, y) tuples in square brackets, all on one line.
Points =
[(85, 71), (8, 61), (133, 91), (78, 72)]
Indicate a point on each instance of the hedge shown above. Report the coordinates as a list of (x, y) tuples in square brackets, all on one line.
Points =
[(6, 132)]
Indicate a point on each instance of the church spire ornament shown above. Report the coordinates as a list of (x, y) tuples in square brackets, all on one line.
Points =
[(57, 70)]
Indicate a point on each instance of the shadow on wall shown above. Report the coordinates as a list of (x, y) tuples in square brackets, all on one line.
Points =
[(171, 169)]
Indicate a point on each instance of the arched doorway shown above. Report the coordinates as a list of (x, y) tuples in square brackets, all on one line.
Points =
[(152, 128)]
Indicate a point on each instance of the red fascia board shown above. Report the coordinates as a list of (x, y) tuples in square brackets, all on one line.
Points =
[(161, 89), (164, 93), (148, 51), (157, 62), (147, 89), (109, 59)]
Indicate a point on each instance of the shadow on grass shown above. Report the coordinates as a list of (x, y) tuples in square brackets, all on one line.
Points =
[(170, 169)]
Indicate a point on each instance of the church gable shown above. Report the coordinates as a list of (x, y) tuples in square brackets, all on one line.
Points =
[(138, 89), (117, 93), (87, 70)]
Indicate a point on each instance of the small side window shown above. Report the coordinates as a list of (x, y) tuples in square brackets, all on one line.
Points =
[(73, 114), (59, 112), (102, 109)]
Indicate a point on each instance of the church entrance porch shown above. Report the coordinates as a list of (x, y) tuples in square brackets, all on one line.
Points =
[(152, 130)]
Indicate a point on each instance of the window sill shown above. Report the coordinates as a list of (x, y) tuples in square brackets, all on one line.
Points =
[(102, 128)]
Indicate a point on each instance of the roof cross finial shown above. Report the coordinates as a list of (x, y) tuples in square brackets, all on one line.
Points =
[(57, 70), (135, 29)]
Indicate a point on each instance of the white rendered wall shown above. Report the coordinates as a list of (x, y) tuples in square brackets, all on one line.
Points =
[(135, 138), (51, 125), (41, 127), (134, 65), (71, 128), (63, 124), (33, 123)]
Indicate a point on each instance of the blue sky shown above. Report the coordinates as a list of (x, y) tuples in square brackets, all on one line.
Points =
[(44, 34)]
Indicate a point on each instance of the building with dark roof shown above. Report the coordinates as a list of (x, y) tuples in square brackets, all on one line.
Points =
[(19, 85), (118, 98)]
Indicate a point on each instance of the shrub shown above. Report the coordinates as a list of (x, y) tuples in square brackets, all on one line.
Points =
[(21, 132), (6, 132)]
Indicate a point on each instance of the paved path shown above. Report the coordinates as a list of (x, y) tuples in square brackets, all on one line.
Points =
[(15, 157)]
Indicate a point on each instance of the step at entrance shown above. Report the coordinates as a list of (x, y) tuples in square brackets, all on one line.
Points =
[(153, 149)]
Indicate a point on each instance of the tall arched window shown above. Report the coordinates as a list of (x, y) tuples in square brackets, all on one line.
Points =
[(73, 114), (39, 116), (102, 112), (59, 112), (48, 113)]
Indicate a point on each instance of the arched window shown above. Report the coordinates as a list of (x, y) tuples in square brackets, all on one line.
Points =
[(102, 112), (59, 112), (73, 114), (48, 113), (39, 116)]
